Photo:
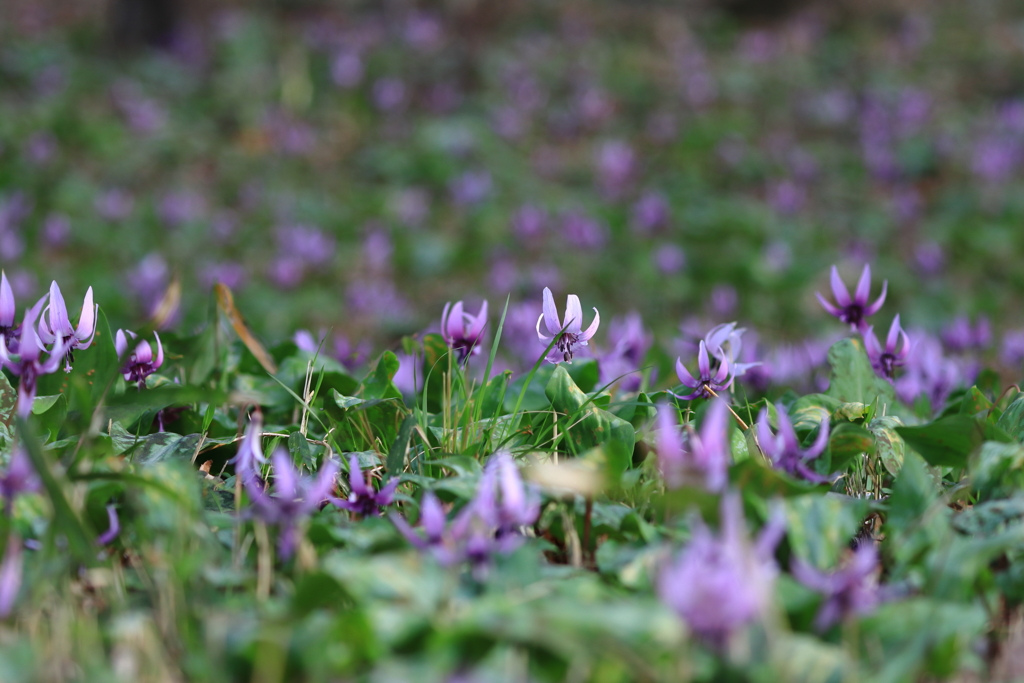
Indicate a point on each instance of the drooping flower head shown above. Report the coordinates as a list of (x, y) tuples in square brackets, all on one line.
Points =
[(141, 363), (710, 380), (291, 497), (719, 584), (27, 364), (894, 355), (568, 334), (850, 590), (363, 499), (783, 448), (56, 326), (702, 456), (630, 344), (462, 331), (853, 311), (502, 499)]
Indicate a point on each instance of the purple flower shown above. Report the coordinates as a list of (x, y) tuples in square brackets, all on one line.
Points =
[(27, 365), (669, 259), (8, 309), (1012, 350), (529, 222), (462, 331), (650, 213), (725, 344), (928, 371), (20, 477), (783, 448), (894, 355), (470, 188), (389, 94), (960, 335), (141, 363), (719, 584), (58, 327), (363, 499), (294, 497), (487, 525), (848, 591), (710, 381), (568, 335), (853, 311), (10, 575), (702, 456), (631, 343), (583, 231)]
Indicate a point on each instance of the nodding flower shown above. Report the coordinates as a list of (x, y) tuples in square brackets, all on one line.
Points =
[(141, 363), (702, 456), (8, 310), (853, 311), (850, 590), (710, 381), (463, 331), (783, 448), (363, 499), (568, 334), (894, 355), (27, 364), (56, 325)]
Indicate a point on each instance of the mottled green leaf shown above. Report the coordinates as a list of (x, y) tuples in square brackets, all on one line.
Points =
[(820, 528), (948, 442), (852, 379), (889, 445)]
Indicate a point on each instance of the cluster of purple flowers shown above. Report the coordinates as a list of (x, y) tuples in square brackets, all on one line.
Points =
[(22, 346), (489, 524)]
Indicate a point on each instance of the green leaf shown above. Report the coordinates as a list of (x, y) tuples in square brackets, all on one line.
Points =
[(889, 445), (588, 426), (853, 380), (161, 446), (975, 402), (819, 528), (299, 449), (949, 441), (997, 469), (1012, 419), (846, 442), (378, 383), (396, 454)]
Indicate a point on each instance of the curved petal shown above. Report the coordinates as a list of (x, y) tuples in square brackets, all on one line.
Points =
[(159, 352), (541, 335), (444, 322), (121, 343), (324, 483), (410, 535), (286, 480), (86, 329), (863, 286), (871, 345), (905, 346), (355, 477), (550, 314), (60, 324), (113, 527), (8, 309), (839, 290), (765, 437), (703, 362), (143, 352), (811, 577), (684, 375), (820, 441), (384, 496), (573, 314), (788, 435), (592, 330), (894, 335), (831, 308), (875, 307), (476, 327), (432, 516), (456, 326), (723, 374)]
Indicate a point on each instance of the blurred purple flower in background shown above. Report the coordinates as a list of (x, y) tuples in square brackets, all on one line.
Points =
[(389, 94), (930, 373), (853, 311), (670, 259), (583, 231), (650, 213), (783, 448), (719, 584), (615, 163), (141, 362), (180, 207), (471, 188), (850, 590), (347, 68), (363, 499), (694, 457), (17, 478), (529, 222), (629, 343), (114, 204), (462, 331), (961, 336), (894, 355)]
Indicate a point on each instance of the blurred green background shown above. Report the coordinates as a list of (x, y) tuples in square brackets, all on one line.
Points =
[(356, 165)]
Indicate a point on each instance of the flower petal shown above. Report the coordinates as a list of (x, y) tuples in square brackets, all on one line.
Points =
[(703, 362), (839, 290), (456, 326), (8, 309), (684, 375), (863, 286), (894, 335), (573, 314), (592, 330), (550, 314), (828, 305), (355, 477), (476, 326), (60, 324), (86, 329), (875, 307)]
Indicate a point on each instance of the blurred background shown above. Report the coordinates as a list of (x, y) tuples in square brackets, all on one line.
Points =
[(351, 166)]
